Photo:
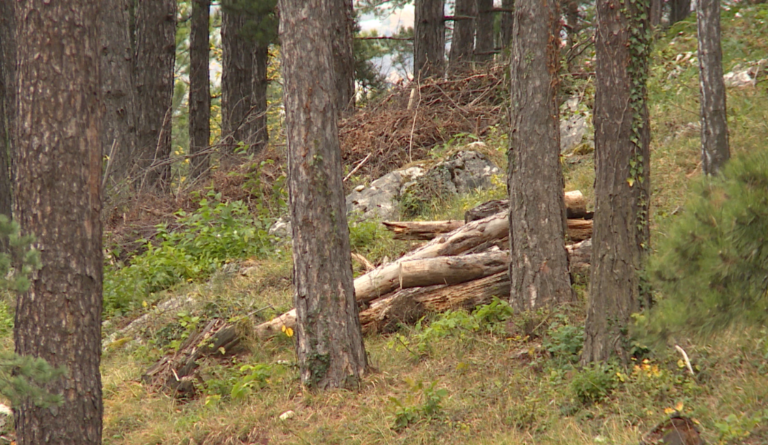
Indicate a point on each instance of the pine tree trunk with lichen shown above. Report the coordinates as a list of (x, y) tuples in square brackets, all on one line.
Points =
[(538, 265), (622, 175), (715, 151), (58, 200), (329, 342)]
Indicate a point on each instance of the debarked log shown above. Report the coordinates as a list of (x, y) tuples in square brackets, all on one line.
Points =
[(575, 207), (420, 230)]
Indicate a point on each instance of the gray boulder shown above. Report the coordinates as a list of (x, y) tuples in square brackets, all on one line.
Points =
[(379, 200)]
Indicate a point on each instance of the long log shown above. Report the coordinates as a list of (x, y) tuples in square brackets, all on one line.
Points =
[(575, 207), (579, 229), (421, 230)]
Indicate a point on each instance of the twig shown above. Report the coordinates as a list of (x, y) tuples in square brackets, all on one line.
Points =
[(109, 165), (359, 164), (413, 125), (685, 358)]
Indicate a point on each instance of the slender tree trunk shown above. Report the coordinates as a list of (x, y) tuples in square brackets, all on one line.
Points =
[(484, 46), (680, 9), (329, 342), (343, 24), (236, 79), (59, 202), (462, 45), (715, 151), (259, 136), (199, 88), (538, 267), (429, 39), (155, 56), (571, 9), (506, 23), (622, 176), (8, 104), (119, 133), (656, 12)]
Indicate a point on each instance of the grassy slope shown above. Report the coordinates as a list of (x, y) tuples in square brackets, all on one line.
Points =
[(494, 394)]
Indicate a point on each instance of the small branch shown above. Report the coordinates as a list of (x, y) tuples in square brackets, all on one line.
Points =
[(359, 164), (383, 38), (453, 18), (685, 358)]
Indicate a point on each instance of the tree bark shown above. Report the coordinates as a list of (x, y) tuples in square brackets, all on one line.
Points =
[(575, 207), (420, 230), (155, 57), (679, 10), (622, 179), (199, 88), (59, 202), (715, 151), (656, 13), (328, 339), (538, 266), (259, 136), (8, 104), (429, 39), (119, 133), (236, 79), (484, 45), (463, 42), (506, 23), (342, 26)]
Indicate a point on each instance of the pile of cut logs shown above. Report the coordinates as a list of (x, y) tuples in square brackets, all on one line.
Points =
[(463, 265)]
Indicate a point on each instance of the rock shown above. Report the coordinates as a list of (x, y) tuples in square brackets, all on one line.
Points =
[(745, 76), (281, 228), (572, 132), (6, 415), (379, 200), (287, 415)]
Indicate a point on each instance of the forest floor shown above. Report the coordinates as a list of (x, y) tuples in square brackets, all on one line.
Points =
[(484, 377)]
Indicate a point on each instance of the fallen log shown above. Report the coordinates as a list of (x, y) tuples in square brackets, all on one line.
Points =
[(409, 305), (420, 230), (579, 229), (575, 207)]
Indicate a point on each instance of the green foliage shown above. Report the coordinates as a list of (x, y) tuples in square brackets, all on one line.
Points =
[(203, 241), (13, 245), (238, 382), (594, 383), (409, 413), (564, 342), (261, 19), (711, 269), (736, 428)]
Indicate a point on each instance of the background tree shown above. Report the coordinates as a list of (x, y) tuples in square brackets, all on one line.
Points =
[(119, 94), (7, 103), (484, 45), (428, 38), (58, 199), (199, 87), (622, 179), (463, 42), (236, 76), (679, 10), (329, 343), (714, 122), (155, 55), (538, 267), (343, 22), (506, 22)]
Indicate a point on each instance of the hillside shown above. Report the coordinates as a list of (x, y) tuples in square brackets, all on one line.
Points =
[(485, 377)]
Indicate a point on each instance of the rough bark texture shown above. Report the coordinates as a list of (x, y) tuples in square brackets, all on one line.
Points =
[(484, 46), (622, 180), (199, 88), (656, 12), (328, 339), (715, 151), (155, 57), (8, 104), (258, 116), (342, 28), (538, 267), (119, 133), (463, 41), (679, 10), (59, 201), (506, 23), (236, 79), (429, 39)]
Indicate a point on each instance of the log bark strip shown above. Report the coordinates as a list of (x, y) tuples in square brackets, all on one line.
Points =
[(421, 230)]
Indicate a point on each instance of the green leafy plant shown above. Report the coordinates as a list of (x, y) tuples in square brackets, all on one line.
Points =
[(408, 413), (594, 383), (564, 340)]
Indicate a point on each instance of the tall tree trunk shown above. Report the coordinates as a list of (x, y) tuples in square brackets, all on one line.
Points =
[(484, 46), (155, 57), (429, 39), (622, 176), (343, 24), (119, 134), (259, 136), (656, 12), (8, 104), (329, 342), (538, 266), (236, 78), (715, 151), (571, 10), (679, 10), (199, 88), (59, 201), (506, 23), (462, 45)]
